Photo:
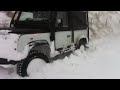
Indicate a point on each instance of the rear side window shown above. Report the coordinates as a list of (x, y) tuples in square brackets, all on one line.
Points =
[(79, 20), (64, 17), (42, 15)]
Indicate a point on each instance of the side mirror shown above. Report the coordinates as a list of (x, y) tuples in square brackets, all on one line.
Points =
[(59, 23)]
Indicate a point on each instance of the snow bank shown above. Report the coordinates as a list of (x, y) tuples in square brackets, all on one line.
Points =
[(4, 20), (103, 23), (100, 63)]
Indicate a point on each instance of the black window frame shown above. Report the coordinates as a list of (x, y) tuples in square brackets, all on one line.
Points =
[(14, 22), (63, 28), (77, 21)]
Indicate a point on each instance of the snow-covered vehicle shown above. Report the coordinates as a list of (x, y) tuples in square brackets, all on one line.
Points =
[(37, 29)]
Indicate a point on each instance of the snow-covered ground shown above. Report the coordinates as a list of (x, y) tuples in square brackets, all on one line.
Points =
[(101, 60)]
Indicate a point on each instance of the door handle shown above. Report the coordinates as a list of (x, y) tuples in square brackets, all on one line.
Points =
[(68, 35)]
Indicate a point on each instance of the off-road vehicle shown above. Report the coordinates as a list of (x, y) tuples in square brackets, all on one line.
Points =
[(37, 29)]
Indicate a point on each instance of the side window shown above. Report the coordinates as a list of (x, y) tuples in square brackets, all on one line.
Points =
[(79, 20), (62, 17), (26, 15), (42, 15)]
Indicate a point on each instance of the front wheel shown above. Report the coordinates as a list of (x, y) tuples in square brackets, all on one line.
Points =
[(33, 63), (82, 45)]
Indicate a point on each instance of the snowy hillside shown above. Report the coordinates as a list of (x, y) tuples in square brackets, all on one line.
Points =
[(103, 23), (4, 20), (102, 60)]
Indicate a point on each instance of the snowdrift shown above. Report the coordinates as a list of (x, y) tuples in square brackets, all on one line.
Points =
[(103, 23)]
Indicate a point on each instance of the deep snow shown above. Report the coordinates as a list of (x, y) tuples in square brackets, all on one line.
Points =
[(101, 60)]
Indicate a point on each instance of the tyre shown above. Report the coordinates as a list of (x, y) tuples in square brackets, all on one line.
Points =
[(32, 63), (82, 45)]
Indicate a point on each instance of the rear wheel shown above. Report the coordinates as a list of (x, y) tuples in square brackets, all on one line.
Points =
[(33, 63), (82, 45)]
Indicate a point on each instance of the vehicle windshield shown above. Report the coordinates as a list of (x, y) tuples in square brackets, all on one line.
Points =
[(26, 15), (39, 15)]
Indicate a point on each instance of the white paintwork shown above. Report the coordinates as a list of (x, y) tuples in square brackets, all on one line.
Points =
[(61, 39), (25, 39), (78, 34)]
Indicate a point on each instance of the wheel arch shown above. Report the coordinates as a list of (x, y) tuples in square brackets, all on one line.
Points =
[(37, 42), (83, 39), (40, 46)]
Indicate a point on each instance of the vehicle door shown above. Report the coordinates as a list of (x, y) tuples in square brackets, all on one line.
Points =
[(63, 34)]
